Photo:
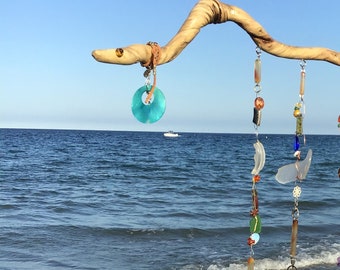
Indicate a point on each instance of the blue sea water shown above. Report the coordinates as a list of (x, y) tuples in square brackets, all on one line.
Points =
[(137, 200)]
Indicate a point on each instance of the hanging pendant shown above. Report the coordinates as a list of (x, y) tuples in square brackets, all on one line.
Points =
[(294, 171), (259, 158), (148, 112), (255, 223)]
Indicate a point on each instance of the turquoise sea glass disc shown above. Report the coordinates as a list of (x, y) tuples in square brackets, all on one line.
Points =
[(148, 113)]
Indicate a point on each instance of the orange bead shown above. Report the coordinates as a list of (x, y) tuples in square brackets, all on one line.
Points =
[(256, 178), (259, 103), (250, 241)]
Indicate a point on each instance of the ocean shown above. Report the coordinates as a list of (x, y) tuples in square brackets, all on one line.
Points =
[(136, 200)]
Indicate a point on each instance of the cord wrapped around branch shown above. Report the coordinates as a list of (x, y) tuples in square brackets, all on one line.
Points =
[(213, 12)]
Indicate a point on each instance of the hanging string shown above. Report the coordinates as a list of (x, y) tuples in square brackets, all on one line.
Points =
[(255, 223), (259, 102), (148, 102), (299, 113), (151, 66)]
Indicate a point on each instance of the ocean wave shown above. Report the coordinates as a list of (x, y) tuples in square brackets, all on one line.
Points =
[(319, 257)]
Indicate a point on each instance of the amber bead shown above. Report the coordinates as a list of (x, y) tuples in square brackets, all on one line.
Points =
[(259, 103), (297, 113)]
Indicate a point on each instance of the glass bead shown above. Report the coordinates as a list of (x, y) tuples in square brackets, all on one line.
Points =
[(250, 241), (256, 178), (257, 71), (254, 212), (251, 263), (297, 143), (257, 117), (151, 112), (296, 192), (297, 154), (302, 83), (297, 112), (255, 237), (255, 224), (255, 198), (259, 103), (297, 108), (298, 105), (299, 129), (251, 260), (293, 239)]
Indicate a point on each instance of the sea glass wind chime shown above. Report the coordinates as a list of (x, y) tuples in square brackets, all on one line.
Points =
[(148, 106), (298, 170), (259, 159)]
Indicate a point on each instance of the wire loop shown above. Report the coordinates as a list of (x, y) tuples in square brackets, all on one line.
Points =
[(303, 64)]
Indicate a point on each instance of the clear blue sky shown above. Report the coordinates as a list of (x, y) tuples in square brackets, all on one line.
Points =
[(50, 80)]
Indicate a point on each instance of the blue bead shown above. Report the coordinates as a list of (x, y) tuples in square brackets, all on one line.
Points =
[(297, 143)]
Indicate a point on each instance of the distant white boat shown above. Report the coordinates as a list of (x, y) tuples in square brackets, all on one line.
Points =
[(170, 133)]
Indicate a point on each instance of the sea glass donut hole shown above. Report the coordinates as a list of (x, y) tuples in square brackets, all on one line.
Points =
[(151, 112)]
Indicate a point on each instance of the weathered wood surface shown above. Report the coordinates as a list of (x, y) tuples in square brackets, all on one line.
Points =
[(213, 12)]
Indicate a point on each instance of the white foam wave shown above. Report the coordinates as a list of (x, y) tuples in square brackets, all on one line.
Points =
[(320, 257)]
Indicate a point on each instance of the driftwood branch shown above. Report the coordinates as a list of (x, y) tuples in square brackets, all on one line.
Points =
[(213, 12)]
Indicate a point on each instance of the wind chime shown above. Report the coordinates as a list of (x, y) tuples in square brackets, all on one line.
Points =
[(148, 103), (259, 158), (148, 106), (297, 171)]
